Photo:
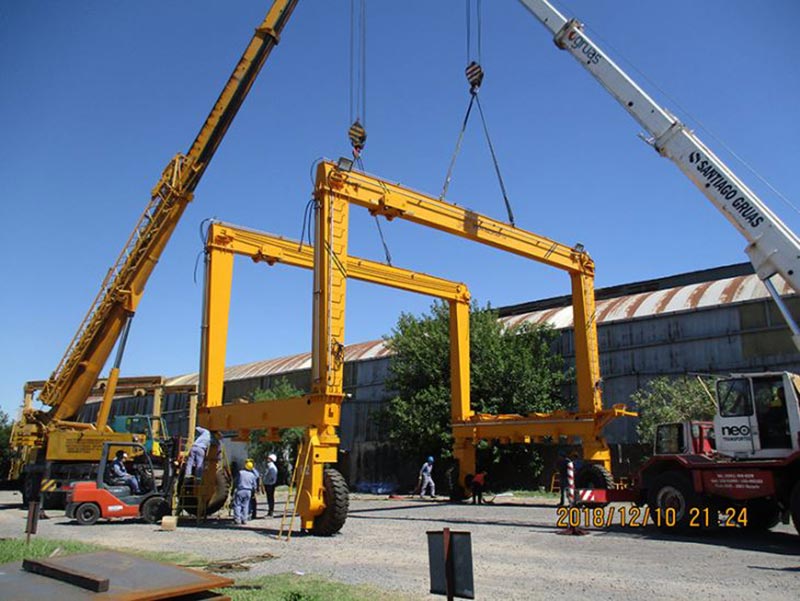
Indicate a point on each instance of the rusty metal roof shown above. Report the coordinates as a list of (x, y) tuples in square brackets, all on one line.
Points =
[(361, 351), (670, 300), (647, 304)]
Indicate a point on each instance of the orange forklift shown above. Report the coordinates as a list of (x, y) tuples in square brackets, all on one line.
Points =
[(107, 497)]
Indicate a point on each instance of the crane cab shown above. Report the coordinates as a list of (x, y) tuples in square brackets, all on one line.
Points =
[(758, 415)]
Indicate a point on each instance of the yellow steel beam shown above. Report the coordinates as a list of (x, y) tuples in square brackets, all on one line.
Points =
[(391, 200), (271, 249)]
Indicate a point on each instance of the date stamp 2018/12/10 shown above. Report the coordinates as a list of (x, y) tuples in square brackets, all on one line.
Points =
[(638, 517)]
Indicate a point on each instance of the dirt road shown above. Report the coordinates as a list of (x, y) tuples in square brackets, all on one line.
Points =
[(517, 553)]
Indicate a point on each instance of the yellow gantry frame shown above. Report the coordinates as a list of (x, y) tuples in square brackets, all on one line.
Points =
[(319, 411), (337, 187)]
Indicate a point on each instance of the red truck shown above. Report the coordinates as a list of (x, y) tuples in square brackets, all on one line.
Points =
[(743, 469)]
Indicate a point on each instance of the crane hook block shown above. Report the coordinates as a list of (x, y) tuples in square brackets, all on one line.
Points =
[(474, 76), (358, 136)]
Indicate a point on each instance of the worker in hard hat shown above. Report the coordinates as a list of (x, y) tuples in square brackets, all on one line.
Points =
[(426, 479), (246, 483), (270, 482), (120, 473), (253, 500)]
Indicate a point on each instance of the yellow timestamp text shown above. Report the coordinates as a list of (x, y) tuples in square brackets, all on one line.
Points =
[(638, 517)]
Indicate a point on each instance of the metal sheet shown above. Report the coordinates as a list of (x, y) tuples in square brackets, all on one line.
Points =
[(131, 578)]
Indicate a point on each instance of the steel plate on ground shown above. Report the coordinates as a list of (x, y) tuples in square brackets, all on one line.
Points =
[(131, 578)]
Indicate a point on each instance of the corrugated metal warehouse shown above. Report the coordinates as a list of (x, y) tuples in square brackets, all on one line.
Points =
[(712, 321)]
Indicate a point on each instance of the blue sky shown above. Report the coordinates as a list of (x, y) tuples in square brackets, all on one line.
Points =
[(98, 96)]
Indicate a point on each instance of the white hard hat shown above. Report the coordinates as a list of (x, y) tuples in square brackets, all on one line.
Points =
[(272, 457)]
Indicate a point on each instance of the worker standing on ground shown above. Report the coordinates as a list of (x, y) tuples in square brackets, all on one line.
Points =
[(561, 464), (245, 485), (478, 486), (270, 482), (120, 472), (197, 454), (256, 488), (426, 479)]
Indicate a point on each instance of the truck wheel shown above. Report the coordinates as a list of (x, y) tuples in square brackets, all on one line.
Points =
[(594, 476), (337, 502), (670, 498), (153, 509), (762, 514), (87, 514), (794, 506)]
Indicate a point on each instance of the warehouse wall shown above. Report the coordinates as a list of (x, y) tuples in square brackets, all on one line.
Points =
[(746, 336)]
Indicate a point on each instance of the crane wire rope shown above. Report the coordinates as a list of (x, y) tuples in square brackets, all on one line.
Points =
[(474, 74), (358, 94)]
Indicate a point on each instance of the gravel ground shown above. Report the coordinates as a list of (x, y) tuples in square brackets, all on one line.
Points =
[(517, 554)]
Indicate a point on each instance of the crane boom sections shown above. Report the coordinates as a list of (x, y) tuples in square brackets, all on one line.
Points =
[(772, 247), (119, 295)]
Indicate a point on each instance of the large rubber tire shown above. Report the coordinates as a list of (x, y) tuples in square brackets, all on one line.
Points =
[(594, 476), (87, 514), (217, 500), (762, 514), (794, 506), (153, 509), (457, 492), (337, 503), (672, 490)]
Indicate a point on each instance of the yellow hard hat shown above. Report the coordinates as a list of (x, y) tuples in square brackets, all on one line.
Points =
[(248, 465)]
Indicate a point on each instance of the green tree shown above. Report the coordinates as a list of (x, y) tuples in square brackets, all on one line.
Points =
[(513, 370), (286, 449), (5, 437), (665, 400)]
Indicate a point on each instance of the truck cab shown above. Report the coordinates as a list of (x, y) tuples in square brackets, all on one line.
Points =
[(685, 438), (151, 427), (758, 416)]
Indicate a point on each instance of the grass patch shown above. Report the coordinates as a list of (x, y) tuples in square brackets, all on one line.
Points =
[(15, 549), (535, 493), (291, 587)]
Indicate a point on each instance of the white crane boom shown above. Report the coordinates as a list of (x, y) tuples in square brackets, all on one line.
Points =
[(771, 246)]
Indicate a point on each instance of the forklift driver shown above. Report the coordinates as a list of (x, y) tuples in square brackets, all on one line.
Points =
[(120, 475)]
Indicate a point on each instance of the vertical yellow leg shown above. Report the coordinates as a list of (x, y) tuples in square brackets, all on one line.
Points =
[(587, 362), (459, 362), (327, 356), (597, 451), (464, 453), (216, 309)]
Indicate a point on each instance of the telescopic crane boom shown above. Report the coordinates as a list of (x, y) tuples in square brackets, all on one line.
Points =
[(108, 318), (771, 246)]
